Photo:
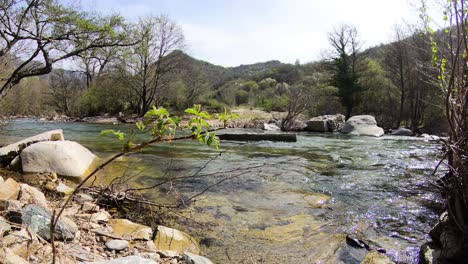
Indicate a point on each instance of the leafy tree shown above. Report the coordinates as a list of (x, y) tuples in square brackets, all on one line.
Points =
[(40, 33), (346, 57), (146, 66)]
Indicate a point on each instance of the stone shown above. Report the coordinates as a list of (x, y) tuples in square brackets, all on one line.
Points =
[(8, 153), (402, 132), (117, 244), (7, 256), (297, 125), (195, 259), (21, 243), (125, 260), (168, 253), (362, 125), (83, 197), (429, 255), (175, 240), (66, 158), (129, 230), (374, 257), (15, 164), (152, 256), (89, 207), (9, 190), (102, 216), (316, 200), (32, 195), (270, 127), (1, 180), (62, 188), (4, 226), (38, 218), (101, 120), (326, 123)]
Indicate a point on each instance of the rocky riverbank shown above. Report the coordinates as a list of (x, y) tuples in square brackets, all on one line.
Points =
[(86, 232)]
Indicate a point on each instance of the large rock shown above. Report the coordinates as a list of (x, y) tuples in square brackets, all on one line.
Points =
[(8, 153), (9, 190), (117, 244), (173, 239), (362, 125), (66, 158), (326, 123), (402, 132), (129, 230), (38, 219)]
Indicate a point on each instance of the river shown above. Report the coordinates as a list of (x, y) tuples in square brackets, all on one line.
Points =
[(285, 202)]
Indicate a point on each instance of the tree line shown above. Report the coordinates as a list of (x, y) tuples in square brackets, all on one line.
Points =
[(123, 67)]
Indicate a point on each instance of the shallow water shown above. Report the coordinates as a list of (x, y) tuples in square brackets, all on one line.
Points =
[(285, 202)]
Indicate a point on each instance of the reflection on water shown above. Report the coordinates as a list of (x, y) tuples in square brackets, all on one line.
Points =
[(298, 202)]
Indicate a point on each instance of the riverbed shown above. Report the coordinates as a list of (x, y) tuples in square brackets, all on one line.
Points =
[(273, 202)]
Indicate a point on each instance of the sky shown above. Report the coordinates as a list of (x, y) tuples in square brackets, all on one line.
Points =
[(235, 32)]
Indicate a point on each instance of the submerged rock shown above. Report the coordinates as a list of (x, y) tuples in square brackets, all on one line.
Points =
[(374, 257), (362, 125), (66, 158), (8, 153), (9, 190), (173, 239)]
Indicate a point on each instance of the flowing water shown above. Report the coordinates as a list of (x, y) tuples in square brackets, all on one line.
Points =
[(276, 202)]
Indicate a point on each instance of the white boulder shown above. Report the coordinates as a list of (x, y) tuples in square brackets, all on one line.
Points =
[(362, 125), (271, 127), (9, 152), (66, 158)]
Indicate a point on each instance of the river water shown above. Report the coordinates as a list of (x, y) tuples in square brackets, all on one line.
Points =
[(284, 202)]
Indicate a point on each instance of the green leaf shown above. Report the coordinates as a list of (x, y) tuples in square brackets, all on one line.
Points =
[(192, 111), (140, 125), (118, 134)]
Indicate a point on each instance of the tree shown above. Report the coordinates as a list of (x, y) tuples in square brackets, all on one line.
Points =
[(64, 88), (449, 57), (146, 66), (39, 33), (346, 58)]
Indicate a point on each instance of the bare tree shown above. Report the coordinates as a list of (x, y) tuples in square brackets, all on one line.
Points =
[(147, 65), (64, 88), (38, 33)]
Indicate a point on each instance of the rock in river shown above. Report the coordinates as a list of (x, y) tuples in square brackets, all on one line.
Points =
[(129, 230), (362, 125), (326, 123), (8, 153), (402, 132), (66, 158), (173, 239)]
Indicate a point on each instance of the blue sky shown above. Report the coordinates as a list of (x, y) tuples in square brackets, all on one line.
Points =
[(235, 32)]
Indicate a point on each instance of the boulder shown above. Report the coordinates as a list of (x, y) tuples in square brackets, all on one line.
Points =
[(9, 190), (362, 125), (271, 127), (38, 218), (402, 132), (21, 243), (129, 230), (66, 158), (195, 259), (32, 195), (297, 125), (101, 120), (173, 239), (8, 153), (326, 123)]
